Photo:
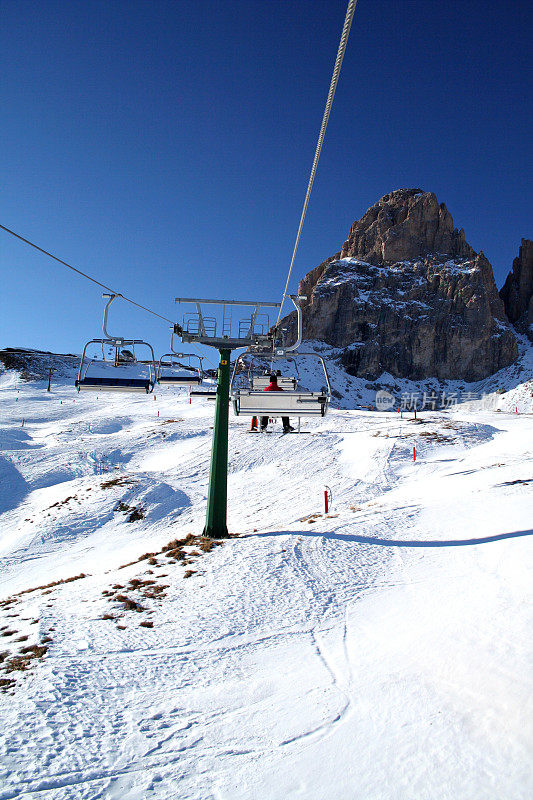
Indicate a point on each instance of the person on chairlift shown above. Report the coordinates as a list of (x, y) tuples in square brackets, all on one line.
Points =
[(272, 387)]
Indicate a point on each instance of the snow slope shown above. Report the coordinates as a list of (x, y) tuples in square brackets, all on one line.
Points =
[(381, 651)]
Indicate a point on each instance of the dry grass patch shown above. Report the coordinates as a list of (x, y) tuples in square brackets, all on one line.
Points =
[(125, 508), (52, 584), (128, 604), (310, 518), (433, 436), (122, 480), (20, 663)]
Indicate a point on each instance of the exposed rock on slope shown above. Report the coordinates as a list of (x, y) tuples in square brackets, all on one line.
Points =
[(409, 296), (36, 364), (517, 291)]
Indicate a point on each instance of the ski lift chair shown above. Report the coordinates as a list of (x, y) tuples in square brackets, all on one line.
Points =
[(255, 402), (178, 374), (171, 372), (120, 378)]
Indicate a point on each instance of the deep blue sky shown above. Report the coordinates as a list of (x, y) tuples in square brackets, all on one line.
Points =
[(165, 147)]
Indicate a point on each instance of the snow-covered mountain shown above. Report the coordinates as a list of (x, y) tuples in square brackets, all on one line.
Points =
[(407, 295), (381, 650)]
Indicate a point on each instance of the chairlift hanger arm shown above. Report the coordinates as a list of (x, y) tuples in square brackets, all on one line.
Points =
[(118, 339), (296, 303)]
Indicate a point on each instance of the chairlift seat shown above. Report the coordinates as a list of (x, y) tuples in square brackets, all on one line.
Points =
[(252, 402), (114, 384)]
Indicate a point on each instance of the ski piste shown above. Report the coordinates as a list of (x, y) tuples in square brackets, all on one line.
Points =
[(345, 652)]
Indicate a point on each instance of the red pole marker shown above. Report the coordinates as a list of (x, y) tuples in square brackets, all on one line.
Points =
[(22, 423), (414, 454), (516, 409), (158, 413), (190, 399), (155, 397), (326, 504)]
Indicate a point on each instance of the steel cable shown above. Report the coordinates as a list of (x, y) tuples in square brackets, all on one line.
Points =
[(329, 102), (89, 278)]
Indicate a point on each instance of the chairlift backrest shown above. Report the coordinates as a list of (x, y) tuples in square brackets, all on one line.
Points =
[(261, 381)]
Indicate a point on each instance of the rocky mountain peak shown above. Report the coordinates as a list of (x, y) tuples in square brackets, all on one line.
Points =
[(403, 225), (407, 295), (517, 291)]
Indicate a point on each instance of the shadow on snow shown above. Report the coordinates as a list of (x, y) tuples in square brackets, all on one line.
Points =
[(375, 540)]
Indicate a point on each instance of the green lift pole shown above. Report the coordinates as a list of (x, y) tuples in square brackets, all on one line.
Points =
[(217, 497)]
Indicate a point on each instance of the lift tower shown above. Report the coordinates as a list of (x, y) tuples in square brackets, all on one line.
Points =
[(222, 331)]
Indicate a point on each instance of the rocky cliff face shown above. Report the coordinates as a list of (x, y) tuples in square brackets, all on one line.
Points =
[(517, 291), (408, 295)]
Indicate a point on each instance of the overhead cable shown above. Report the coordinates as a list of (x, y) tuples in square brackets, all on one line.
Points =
[(84, 275), (329, 102), (89, 278)]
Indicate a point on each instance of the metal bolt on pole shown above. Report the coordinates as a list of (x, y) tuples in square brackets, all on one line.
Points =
[(217, 498)]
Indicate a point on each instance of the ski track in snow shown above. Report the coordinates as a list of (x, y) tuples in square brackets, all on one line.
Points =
[(375, 652)]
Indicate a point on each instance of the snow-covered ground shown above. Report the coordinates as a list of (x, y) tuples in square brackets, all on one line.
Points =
[(382, 651)]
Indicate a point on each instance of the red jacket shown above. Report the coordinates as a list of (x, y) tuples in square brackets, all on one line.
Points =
[(272, 387)]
